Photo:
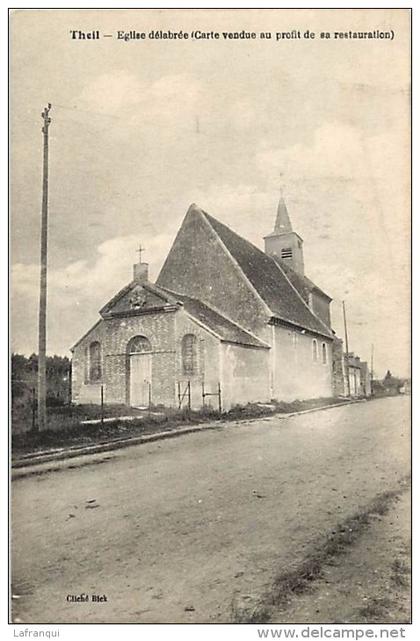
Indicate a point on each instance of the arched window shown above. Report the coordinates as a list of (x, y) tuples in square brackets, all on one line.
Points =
[(324, 354), (189, 354), (139, 344), (314, 350), (95, 362)]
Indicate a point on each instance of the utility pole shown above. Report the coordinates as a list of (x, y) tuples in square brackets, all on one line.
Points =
[(345, 328), (347, 347), (371, 363), (42, 328)]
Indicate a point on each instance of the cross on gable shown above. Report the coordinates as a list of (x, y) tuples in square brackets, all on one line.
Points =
[(140, 250)]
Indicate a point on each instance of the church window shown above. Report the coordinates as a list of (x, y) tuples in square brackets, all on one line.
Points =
[(189, 354), (286, 252), (314, 350), (139, 344), (324, 354), (95, 362)]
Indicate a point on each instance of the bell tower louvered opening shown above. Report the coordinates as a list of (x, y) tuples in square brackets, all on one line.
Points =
[(283, 242)]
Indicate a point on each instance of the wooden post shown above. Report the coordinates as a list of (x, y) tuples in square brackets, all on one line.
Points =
[(102, 405), (347, 348), (189, 396), (371, 366), (203, 395), (33, 409), (42, 327), (69, 392), (220, 397)]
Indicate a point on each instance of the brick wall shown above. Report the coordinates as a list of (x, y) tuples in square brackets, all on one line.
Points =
[(114, 335), (165, 332), (82, 390), (159, 329), (208, 371)]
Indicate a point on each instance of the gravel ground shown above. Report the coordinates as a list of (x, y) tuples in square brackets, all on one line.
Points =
[(178, 530)]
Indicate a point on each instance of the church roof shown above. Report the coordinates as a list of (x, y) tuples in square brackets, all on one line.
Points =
[(302, 283), (223, 327), (269, 280), (137, 299)]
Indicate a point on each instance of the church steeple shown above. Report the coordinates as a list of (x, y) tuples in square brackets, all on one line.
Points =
[(283, 242), (283, 223)]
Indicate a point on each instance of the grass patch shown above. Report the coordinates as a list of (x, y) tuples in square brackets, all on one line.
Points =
[(249, 610), (400, 573), (65, 428), (71, 432), (301, 577), (376, 609)]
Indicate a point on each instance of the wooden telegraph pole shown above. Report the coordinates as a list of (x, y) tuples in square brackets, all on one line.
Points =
[(347, 347), (42, 335), (371, 364)]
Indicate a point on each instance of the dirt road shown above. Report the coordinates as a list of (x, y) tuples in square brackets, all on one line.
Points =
[(369, 583), (177, 530)]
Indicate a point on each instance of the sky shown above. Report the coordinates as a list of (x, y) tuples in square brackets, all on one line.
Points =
[(141, 129)]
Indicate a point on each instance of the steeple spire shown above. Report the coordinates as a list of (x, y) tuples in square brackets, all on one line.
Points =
[(283, 224), (283, 242)]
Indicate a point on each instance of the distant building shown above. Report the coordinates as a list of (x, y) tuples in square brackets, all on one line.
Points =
[(356, 376), (224, 322), (406, 387)]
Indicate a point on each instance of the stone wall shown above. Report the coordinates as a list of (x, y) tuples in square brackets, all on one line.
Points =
[(365, 378), (338, 372)]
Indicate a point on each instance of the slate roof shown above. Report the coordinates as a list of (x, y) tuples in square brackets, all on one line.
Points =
[(302, 283), (269, 280), (226, 330)]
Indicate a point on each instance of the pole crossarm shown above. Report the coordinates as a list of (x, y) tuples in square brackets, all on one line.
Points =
[(46, 118)]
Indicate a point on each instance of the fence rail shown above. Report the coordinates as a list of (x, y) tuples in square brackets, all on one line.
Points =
[(185, 394), (204, 395)]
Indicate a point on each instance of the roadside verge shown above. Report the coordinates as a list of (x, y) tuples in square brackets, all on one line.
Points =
[(20, 464)]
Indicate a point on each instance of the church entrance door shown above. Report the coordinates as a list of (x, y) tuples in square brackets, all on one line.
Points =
[(140, 379)]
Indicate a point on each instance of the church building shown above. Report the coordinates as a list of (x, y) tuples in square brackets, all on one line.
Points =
[(225, 324)]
